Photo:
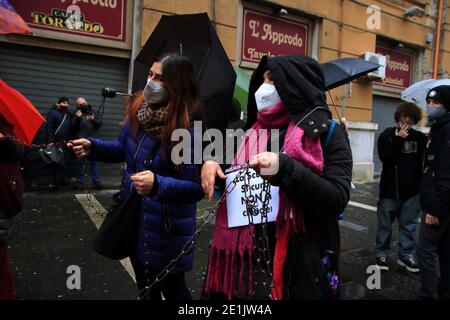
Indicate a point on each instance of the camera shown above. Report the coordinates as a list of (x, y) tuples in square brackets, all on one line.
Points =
[(109, 92), (85, 109)]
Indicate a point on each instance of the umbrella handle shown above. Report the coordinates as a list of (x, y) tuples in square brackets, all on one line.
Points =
[(335, 108)]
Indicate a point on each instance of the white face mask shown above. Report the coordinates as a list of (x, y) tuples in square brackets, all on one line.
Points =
[(266, 96)]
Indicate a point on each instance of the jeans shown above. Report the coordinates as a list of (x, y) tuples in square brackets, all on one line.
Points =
[(173, 286), (406, 211), (80, 170), (433, 252)]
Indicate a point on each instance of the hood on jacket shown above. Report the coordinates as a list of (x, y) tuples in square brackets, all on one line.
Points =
[(300, 84), (10, 150)]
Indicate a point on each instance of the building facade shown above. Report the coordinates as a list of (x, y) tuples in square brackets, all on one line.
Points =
[(327, 30), (60, 60), (72, 58)]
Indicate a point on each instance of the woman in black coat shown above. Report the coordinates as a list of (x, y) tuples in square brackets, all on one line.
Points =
[(310, 255)]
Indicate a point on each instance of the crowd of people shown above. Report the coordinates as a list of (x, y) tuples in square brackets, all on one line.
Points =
[(62, 125), (313, 171)]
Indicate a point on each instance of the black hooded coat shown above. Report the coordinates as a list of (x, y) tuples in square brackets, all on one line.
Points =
[(300, 85), (435, 189)]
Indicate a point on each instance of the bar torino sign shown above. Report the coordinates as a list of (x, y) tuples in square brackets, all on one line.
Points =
[(399, 67), (267, 35), (103, 19)]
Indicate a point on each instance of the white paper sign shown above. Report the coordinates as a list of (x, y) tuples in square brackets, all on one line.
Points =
[(236, 201)]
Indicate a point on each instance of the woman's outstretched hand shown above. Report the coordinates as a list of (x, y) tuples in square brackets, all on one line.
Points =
[(81, 147)]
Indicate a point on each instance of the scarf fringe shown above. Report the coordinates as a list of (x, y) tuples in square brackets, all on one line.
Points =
[(223, 262)]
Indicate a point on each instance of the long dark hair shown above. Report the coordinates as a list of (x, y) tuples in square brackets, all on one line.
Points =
[(184, 105), (134, 102)]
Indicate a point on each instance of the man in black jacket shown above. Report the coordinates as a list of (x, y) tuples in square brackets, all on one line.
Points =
[(434, 237), (401, 150), (90, 123), (61, 125)]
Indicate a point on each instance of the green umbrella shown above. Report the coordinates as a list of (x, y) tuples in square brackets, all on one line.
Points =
[(241, 87)]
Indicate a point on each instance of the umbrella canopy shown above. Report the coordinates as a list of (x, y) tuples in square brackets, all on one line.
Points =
[(418, 91), (241, 87), (10, 21), (340, 71), (192, 35), (19, 112)]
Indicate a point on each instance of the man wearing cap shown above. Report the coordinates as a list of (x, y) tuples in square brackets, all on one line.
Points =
[(61, 125), (434, 239)]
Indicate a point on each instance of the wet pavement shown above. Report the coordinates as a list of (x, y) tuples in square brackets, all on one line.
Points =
[(55, 232)]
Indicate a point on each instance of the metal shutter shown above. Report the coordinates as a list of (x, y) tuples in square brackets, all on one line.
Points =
[(382, 113), (43, 75)]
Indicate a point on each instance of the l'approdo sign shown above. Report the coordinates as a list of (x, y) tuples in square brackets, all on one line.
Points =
[(267, 35)]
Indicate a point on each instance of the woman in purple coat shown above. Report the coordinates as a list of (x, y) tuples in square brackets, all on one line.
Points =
[(167, 218)]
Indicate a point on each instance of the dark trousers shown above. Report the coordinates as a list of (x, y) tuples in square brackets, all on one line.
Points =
[(173, 286), (433, 251), (407, 212), (80, 162)]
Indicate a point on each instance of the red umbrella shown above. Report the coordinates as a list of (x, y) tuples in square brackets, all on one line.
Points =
[(20, 113)]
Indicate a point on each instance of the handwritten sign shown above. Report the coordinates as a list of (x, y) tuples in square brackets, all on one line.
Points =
[(268, 35), (236, 199), (399, 67)]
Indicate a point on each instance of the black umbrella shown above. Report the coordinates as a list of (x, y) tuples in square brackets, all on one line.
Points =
[(193, 35), (341, 71)]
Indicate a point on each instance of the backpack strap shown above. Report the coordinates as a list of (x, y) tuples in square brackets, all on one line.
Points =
[(330, 133)]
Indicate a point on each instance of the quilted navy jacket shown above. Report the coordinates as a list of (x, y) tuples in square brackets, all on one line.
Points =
[(167, 219)]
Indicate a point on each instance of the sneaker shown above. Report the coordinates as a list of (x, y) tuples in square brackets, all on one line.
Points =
[(382, 263), (409, 263)]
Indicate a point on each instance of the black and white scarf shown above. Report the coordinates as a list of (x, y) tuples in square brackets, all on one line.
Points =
[(152, 121)]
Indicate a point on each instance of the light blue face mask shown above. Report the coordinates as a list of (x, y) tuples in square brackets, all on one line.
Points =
[(436, 112)]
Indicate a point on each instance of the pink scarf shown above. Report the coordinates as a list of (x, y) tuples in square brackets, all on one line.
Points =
[(232, 245)]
